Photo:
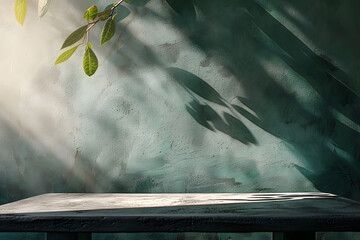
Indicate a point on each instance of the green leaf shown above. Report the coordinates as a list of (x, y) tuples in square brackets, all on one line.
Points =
[(91, 13), (90, 62), (121, 13), (128, 1), (20, 10), (66, 55), (104, 15), (108, 31), (75, 36)]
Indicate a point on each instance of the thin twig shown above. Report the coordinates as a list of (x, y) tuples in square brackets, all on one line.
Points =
[(117, 4), (92, 24), (112, 9)]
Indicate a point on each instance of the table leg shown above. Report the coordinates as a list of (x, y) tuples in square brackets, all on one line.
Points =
[(67, 236), (294, 235)]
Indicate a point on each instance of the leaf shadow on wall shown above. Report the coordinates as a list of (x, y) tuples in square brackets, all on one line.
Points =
[(244, 35), (136, 55), (205, 114)]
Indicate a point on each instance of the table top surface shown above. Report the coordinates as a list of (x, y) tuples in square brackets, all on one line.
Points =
[(215, 212)]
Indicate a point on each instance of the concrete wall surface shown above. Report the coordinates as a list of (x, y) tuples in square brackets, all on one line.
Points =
[(190, 96)]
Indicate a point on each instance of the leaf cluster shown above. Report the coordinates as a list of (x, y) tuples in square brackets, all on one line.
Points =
[(92, 16), (90, 61)]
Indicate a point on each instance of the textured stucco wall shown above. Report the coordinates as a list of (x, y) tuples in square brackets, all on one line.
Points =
[(202, 96)]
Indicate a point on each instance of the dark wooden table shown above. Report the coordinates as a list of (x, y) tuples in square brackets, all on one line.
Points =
[(292, 216)]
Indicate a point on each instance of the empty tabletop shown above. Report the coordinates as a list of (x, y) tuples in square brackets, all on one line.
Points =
[(215, 212)]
